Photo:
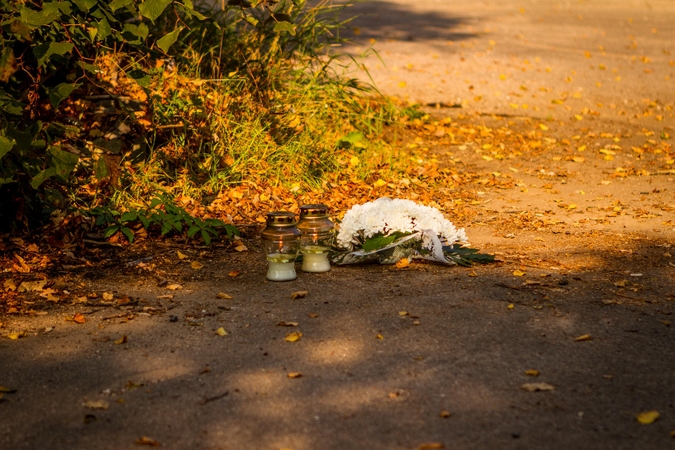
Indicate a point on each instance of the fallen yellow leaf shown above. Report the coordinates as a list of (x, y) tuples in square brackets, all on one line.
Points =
[(431, 446), (380, 183), (445, 414), (221, 332), (32, 286), (122, 340), (511, 306), (223, 296), (578, 159), (292, 337), (648, 417), (583, 337), (518, 273), (234, 274), (181, 255), (9, 285), (241, 248), (196, 265), (174, 287), (294, 374), (147, 441), (379, 336), (532, 373), (96, 404), (403, 313), (14, 335), (79, 318), (537, 387)]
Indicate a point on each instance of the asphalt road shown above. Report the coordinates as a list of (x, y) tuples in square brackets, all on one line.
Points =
[(424, 357), (539, 58)]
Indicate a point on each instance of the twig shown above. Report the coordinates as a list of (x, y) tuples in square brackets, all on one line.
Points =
[(99, 304), (174, 125), (515, 288), (215, 397), (138, 261), (628, 296), (102, 243)]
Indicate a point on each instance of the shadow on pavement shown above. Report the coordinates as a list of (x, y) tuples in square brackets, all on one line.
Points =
[(384, 20), (189, 388)]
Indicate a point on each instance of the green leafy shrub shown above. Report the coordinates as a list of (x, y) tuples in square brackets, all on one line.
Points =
[(49, 51), (207, 98), (161, 216)]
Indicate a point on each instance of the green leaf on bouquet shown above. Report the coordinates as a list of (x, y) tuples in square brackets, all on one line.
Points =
[(466, 256), (379, 241)]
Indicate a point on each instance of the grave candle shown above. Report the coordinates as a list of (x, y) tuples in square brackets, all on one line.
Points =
[(281, 241), (317, 237)]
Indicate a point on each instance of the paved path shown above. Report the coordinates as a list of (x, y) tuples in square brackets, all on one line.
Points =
[(399, 358), (542, 58)]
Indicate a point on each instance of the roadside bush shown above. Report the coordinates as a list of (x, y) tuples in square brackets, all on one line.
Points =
[(113, 102)]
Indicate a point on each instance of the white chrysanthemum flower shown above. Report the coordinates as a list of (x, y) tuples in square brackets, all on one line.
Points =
[(386, 216)]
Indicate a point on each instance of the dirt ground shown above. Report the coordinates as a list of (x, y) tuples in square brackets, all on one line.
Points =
[(560, 344)]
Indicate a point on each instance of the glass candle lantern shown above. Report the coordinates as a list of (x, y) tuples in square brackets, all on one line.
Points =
[(318, 233), (281, 241)]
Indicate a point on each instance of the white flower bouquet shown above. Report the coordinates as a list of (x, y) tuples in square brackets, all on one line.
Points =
[(388, 230)]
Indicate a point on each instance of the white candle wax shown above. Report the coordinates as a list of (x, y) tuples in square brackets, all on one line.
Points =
[(315, 260), (280, 268)]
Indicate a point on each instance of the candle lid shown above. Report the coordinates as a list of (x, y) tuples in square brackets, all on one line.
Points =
[(281, 227), (281, 219), (317, 210), (314, 220)]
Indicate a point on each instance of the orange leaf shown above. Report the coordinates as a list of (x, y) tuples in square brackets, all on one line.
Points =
[(403, 263), (147, 441)]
